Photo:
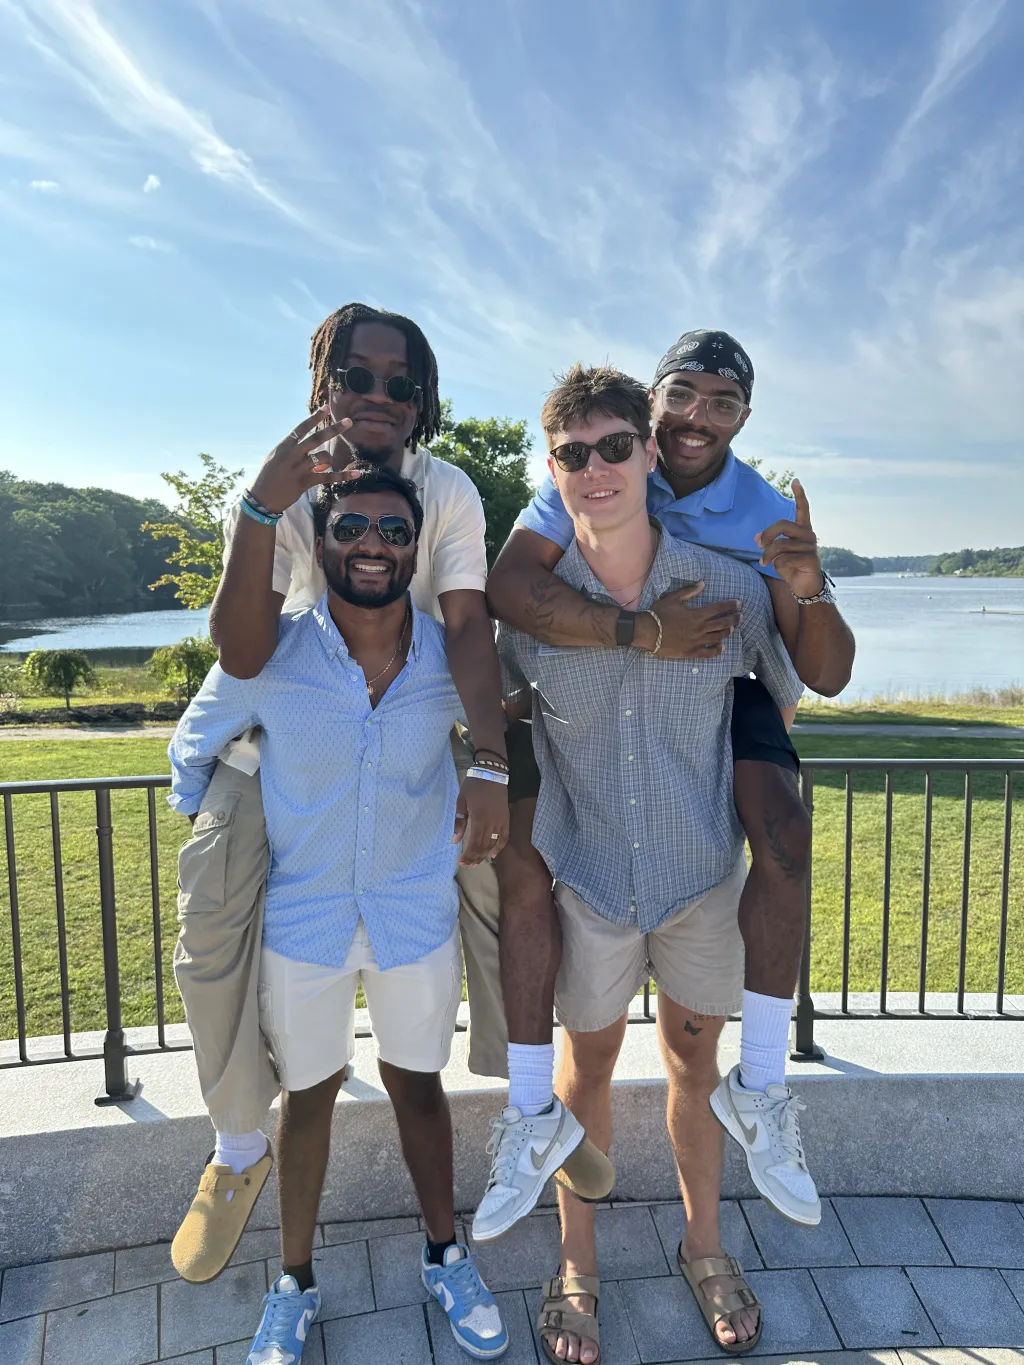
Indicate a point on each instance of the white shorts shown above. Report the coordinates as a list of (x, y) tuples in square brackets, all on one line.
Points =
[(307, 1013)]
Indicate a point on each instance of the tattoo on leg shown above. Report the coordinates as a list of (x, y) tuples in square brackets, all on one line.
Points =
[(780, 854), (689, 1028)]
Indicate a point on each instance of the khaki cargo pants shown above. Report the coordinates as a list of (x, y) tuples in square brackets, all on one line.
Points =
[(222, 871)]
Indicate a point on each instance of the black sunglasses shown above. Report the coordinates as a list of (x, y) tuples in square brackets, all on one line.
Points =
[(358, 379), (614, 448), (352, 526)]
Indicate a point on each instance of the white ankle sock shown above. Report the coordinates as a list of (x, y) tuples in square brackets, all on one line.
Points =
[(531, 1070), (240, 1150), (764, 1040)]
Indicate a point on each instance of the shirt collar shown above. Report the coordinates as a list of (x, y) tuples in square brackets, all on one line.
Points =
[(716, 496), (331, 636), (672, 568)]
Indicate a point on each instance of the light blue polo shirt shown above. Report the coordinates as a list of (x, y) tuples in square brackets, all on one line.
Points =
[(724, 515)]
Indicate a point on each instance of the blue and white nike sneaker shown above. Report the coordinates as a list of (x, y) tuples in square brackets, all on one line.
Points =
[(473, 1314), (288, 1314)]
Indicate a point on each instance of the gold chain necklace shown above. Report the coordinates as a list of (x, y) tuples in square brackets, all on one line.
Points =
[(398, 650)]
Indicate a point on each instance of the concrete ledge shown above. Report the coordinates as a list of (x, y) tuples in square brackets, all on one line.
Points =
[(897, 1107)]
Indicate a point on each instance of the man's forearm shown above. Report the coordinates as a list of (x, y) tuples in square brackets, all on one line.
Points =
[(824, 649), (473, 661), (244, 615), (541, 604)]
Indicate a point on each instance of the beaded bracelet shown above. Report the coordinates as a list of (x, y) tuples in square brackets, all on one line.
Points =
[(251, 511), (253, 501)]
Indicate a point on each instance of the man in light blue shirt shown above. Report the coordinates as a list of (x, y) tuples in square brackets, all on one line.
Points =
[(356, 706)]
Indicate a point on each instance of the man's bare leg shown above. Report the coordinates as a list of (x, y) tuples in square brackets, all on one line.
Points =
[(689, 1046), (530, 938), (425, 1128), (303, 1146), (585, 1084)]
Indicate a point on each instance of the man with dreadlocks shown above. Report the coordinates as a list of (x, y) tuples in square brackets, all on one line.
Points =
[(374, 396)]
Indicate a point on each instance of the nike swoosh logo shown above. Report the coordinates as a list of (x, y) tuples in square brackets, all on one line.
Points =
[(749, 1133), (538, 1161), (303, 1324)]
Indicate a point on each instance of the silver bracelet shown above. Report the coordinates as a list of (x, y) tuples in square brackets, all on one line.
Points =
[(485, 775)]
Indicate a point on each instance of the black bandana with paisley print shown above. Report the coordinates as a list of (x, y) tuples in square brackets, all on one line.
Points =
[(708, 353)]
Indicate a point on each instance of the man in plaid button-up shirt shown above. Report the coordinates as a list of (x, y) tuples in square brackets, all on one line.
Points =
[(637, 824)]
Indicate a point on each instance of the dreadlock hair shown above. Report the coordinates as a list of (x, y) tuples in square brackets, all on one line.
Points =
[(332, 341), (581, 392), (363, 477)]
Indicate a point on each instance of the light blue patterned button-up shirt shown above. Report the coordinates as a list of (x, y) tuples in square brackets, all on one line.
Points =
[(636, 811), (360, 803)]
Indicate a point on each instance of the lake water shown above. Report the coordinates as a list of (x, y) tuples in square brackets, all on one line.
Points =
[(915, 636)]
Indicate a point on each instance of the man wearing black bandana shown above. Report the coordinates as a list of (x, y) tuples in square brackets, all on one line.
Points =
[(700, 401)]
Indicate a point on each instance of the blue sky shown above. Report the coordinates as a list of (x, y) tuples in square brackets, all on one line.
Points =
[(188, 186)]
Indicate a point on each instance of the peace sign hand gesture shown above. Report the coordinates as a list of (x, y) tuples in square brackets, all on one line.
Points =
[(791, 547), (291, 467)]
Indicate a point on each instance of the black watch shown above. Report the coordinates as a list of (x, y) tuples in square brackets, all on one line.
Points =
[(624, 628)]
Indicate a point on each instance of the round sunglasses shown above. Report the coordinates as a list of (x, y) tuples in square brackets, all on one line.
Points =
[(358, 379), (615, 448), (352, 526)]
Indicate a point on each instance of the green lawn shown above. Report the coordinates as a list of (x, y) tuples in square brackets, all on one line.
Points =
[(89, 758)]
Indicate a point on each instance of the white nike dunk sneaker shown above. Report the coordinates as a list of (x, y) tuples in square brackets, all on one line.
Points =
[(767, 1127), (526, 1151)]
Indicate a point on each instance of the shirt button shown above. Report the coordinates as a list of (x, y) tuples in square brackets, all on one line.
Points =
[(632, 911), (632, 800), (363, 850), (366, 810), (695, 669), (629, 713), (636, 845), (629, 757), (369, 765)]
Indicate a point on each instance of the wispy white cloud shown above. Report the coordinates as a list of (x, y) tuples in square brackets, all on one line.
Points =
[(144, 243), (44, 186), (152, 182)]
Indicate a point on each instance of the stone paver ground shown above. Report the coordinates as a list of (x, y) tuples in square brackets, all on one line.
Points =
[(883, 1282)]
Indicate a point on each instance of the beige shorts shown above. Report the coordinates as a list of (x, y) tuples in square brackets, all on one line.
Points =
[(307, 1013), (696, 958)]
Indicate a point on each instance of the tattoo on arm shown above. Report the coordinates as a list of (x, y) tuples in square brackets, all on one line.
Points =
[(780, 854), (546, 604)]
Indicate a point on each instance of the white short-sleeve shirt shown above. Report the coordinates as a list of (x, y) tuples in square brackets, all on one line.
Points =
[(451, 553)]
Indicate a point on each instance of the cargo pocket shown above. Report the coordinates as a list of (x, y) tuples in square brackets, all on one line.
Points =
[(203, 860)]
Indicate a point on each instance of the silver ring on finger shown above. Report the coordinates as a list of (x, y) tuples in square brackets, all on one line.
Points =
[(493, 837)]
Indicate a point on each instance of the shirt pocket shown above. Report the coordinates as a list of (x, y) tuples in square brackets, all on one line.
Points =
[(574, 686)]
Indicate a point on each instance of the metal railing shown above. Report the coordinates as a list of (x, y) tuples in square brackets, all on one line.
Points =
[(115, 1050)]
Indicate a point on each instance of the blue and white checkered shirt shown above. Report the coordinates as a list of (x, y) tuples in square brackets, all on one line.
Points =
[(360, 803), (636, 810)]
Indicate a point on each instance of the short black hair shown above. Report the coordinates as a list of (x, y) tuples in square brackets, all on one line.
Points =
[(332, 342), (362, 477)]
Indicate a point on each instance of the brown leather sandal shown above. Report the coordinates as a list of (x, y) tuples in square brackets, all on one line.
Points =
[(558, 1315), (717, 1308)]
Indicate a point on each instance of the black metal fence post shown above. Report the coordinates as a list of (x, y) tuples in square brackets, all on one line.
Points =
[(117, 1087), (805, 1049)]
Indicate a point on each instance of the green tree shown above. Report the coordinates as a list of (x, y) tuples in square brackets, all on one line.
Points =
[(182, 667), (494, 452), (59, 671), (783, 482), (844, 563), (201, 507)]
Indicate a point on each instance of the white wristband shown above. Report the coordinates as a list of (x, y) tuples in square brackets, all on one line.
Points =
[(486, 775)]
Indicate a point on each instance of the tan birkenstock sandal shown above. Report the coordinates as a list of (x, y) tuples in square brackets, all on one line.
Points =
[(214, 1224), (718, 1307), (587, 1173), (558, 1315)]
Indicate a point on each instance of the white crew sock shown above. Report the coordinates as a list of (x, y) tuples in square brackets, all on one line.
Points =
[(764, 1040), (531, 1070), (239, 1151)]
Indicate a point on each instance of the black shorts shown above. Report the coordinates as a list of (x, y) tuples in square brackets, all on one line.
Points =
[(758, 732), (523, 773)]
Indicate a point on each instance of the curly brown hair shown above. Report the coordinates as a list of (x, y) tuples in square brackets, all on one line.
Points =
[(583, 391)]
